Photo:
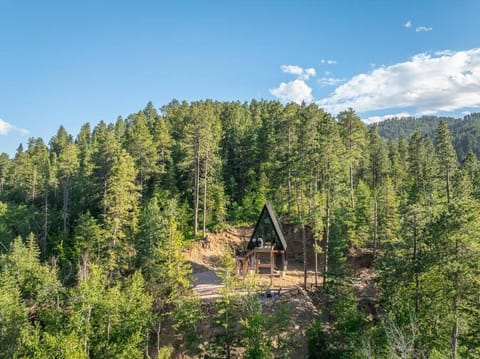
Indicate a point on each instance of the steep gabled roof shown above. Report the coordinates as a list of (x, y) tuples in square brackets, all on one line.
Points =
[(268, 213)]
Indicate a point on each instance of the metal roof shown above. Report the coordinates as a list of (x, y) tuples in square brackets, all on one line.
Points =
[(267, 208)]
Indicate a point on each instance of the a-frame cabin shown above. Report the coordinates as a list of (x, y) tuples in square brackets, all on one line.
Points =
[(267, 231), (266, 248)]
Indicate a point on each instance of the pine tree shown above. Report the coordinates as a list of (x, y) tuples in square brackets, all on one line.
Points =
[(163, 143), (65, 158), (106, 148), (422, 168), (466, 178), (226, 318), (446, 154), (201, 145), (332, 179), (388, 216), (353, 133), (121, 205), (378, 159), (452, 264), (4, 171), (83, 198), (141, 147), (13, 316), (160, 252)]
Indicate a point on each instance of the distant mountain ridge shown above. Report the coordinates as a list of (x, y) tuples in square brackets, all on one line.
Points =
[(465, 132)]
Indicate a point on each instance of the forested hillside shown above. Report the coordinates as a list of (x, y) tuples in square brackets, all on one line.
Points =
[(465, 132), (93, 228)]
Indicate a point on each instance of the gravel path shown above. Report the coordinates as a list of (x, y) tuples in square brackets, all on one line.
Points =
[(207, 284)]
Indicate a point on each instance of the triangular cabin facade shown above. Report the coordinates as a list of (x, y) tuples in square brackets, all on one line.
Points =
[(266, 248)]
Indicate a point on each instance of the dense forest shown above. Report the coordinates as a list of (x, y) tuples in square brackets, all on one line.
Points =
[(93, 228), (465, 132)]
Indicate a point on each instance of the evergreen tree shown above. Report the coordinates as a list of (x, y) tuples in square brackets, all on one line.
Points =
[(422, 168), (121, 205), (65, 159), (353, 133), (141, 147), (226, 318), (448, 159), (201, 145), (4, 171), (162, 260), (451, 285)]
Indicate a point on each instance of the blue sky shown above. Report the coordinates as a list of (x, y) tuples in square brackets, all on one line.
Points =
[(66, 62)]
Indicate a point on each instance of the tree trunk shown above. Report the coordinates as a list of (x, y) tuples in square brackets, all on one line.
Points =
[(316, 262), (352, 192), (448, 185), (205, 198), (34, 189), (304, 236), (140, 179), (350, 146), (66, 185), (104, 195), (455, 335), (289, 176), (415, 265), (455, 308), (375, 227), (158, 331), (327, 240), (196, 195), (43, 244), (304, 241)]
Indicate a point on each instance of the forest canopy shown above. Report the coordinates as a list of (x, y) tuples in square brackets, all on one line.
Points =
[(93, 226)]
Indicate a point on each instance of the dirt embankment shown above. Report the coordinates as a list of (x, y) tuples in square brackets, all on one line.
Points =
[(206, 256)]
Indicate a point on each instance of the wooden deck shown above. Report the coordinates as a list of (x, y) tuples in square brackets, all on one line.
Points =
[(258, 258)]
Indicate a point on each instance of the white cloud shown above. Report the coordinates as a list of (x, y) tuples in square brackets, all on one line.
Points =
[(328, 62), (425, 83), (303, 74), (329, 81), (444, 53), (293, 91), (309, 72), (296, 90), (292, 69), (6, 128), (373, 119), (423, 29), (408, 24)]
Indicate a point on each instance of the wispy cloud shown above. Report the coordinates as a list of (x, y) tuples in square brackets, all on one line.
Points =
[(328, 62), (423, 29), (373, 119), (6, 128), (426, 83), (297, 90), (444, 53), (329, 81)]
